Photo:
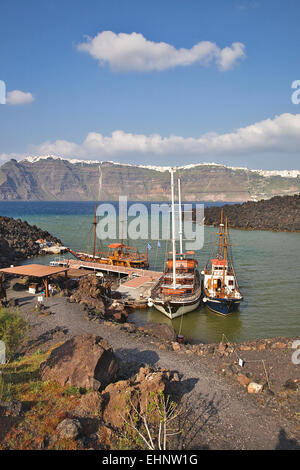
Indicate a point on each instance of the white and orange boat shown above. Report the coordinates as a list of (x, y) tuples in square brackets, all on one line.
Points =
[(179, 289), (182, 296), (221, 290)]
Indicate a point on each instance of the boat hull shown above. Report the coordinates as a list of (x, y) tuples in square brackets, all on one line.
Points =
[(176, 309), (222, 306), (112, 262)]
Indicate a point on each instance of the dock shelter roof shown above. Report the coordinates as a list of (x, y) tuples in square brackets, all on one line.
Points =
[(77, 273), (34, 270)]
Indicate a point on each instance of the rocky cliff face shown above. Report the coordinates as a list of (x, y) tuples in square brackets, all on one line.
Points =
[(279, 214), (17, 240), (48, 179)]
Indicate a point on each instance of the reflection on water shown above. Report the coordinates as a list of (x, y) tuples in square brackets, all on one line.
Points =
[(266, 264), (199, 326)]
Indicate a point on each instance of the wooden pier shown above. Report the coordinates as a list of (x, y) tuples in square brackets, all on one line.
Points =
[(135, 287), (77, 264)]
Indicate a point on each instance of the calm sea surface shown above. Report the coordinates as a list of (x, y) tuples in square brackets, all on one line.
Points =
[(267, 266)]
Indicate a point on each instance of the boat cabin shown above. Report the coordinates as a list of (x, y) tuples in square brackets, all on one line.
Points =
[(218, 277), (123, 255), (185, 275)]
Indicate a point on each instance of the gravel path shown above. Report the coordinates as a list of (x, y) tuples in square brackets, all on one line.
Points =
[(230, 420)]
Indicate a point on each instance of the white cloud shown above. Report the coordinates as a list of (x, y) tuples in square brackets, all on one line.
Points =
[(228, 56), (248, 4), (59, 147), (4, 157), (16, 97), (281, 134), (134, 52)]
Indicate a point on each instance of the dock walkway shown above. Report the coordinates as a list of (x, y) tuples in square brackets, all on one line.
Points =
[(135, 288), (77, 264)]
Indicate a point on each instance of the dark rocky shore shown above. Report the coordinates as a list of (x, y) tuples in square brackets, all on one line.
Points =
[(279, 214), (74, 372), (17, 240)]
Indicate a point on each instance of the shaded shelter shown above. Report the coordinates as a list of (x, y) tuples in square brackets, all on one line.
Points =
[(37, 271)]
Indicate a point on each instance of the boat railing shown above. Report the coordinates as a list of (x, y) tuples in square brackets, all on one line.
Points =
[(180, 298), (59, 261)]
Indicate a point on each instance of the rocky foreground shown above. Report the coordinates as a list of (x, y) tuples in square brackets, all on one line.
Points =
[(87, 378), (73, 389), (18, 240), (279, 214), (96, 298), (83, 398)]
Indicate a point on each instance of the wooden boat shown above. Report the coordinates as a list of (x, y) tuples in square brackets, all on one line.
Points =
[(179, 289), (183, 296), (220, 286), (118, 254)]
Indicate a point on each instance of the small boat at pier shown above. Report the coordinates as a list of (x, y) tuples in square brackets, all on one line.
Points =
[(182, 296), (220, 286)]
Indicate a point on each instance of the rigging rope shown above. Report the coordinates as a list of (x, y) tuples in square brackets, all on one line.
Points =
[(180, 328)]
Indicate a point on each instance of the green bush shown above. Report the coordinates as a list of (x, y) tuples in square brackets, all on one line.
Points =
[(77, 391), (12, 330), (5, 390)]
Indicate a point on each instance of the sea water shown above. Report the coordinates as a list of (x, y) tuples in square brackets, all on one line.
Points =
[(267, 266)]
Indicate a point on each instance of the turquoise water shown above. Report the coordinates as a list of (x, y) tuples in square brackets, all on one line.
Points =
[(267, 266)]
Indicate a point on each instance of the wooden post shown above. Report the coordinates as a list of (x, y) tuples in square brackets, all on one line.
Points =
[(66, 280), (46, 286), (2, 287)]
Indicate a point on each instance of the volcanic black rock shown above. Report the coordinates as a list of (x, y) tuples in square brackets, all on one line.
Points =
[(278, 214), (18, 240)]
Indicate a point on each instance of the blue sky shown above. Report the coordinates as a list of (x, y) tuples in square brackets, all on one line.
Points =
[(78, 97)]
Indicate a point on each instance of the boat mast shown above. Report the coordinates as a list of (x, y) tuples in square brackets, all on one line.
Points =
[(95, 229), (180, 217), (221, 235), (225, 240), (122, 222), (124, 233), (173, 229), (225, 252)]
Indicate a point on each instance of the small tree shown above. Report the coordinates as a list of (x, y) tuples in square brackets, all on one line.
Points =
[(12, 330), (150, 426)]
